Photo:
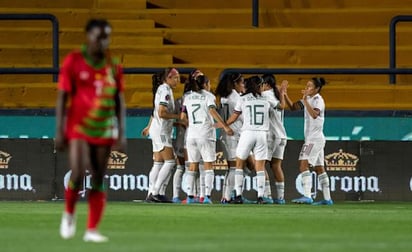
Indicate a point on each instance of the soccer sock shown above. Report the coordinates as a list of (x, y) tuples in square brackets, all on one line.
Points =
[(280, 190), (209, 178), (306, 183), (163, 187), (71, 195), (202, 181), (177, 180), (163, 174), (153, 175), (97, 200), (190, 183), (230, 183), (268, 190), (260, 177), (238, 181), (324, 183)]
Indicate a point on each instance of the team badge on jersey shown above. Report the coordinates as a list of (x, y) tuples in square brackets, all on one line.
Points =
[(84, 75), (167, 97)]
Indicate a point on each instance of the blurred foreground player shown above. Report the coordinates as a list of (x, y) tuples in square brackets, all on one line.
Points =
[(91, 124)]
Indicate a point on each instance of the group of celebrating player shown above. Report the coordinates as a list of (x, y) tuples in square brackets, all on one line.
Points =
[(90, 122), (249, 113)]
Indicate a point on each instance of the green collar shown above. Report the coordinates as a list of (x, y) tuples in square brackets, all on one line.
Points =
[(89, 60)]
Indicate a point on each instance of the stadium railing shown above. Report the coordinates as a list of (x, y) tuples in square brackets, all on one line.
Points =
[(392, 70), (55, 29)]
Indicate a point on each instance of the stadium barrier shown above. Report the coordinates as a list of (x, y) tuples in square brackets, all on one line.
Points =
[(30, 169)]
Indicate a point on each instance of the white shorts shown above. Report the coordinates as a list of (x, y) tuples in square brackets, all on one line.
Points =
[(313, 152), (159, 142), (276, 148), (201, 149), (229, 146), (256, 141)]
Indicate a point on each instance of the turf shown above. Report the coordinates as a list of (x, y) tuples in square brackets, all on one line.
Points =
[(33, 226)]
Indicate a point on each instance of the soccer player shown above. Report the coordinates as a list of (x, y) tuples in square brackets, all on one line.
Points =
[(161, 133), (228, 91), (277, 135), (91, 125), (254, 134), (312, 152), (199, 109)]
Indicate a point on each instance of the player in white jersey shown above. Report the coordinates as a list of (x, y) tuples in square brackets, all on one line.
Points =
[(312, 153), (277, 137), (161, 134), (254, 135), (228, 91), (199, 109)]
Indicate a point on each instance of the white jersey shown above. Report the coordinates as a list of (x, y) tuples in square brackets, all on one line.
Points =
[(314, 127), (276, 118), (255, 111), (163, 97), (197, 105), (227, 107)]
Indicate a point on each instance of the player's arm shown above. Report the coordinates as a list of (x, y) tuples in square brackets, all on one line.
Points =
[(121, 122), (183, 117), (235, 115), (293, 105), (218, 118), (145, 131), (62, 97), (165, 114), (283, 92), (313, 112)]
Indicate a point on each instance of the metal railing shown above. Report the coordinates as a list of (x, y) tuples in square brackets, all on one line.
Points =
[(392, 43), (55, 29)]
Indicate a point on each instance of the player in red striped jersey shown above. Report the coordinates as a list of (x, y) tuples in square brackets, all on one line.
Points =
[(90, 124)]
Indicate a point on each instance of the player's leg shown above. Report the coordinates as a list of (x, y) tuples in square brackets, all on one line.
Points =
[(323, 180), (97, 195), (78, 161), (168, 156), (177, 178)]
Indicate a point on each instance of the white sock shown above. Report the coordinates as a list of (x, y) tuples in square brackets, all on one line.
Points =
[(177, 180), (209, 179), (324, 183), (153, 175), (280, 190), (239, 181), (190, 183), (230, 183), (163, 187), (268, 190), (202, 181), (260, 177), (306, 183), (163, 174)]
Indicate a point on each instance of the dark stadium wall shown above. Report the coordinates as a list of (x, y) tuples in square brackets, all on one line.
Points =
[(30, 169)]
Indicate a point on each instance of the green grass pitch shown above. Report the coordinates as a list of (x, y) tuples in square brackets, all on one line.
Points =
[(349, 227)]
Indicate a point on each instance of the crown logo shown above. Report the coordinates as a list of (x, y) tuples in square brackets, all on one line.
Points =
[(4, 160), (221, 162), (341, 161), (117, 160)]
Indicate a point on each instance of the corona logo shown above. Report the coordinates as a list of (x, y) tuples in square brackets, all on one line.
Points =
[(221, 162), (117, 160), (341, 161), (4, 160)]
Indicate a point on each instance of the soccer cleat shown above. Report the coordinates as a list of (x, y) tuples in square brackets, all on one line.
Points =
[(303, 200), (190, 200), (67, 226), (207, 200), (267, 200), (150, 199), (176, 200), (237, 200), (224, 201), (161, 199), (248, 201), (261, 201), (94, 236), (201, 199), (279, 201), (323, 202)]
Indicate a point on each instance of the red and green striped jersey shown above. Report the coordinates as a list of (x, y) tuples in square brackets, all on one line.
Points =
[(91, 113)]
